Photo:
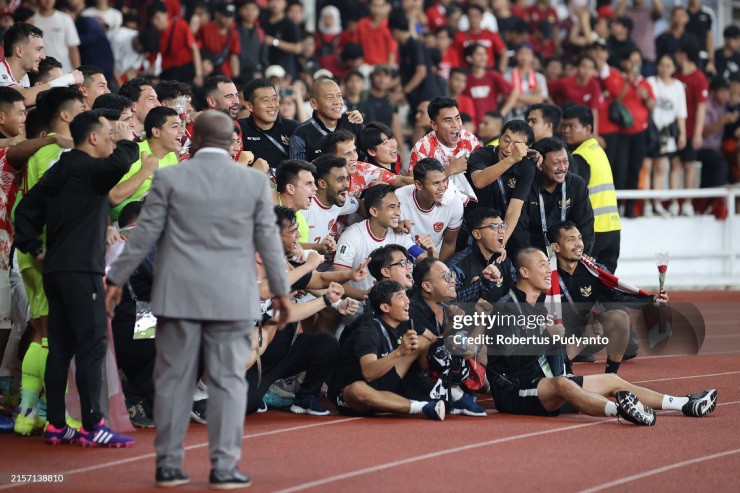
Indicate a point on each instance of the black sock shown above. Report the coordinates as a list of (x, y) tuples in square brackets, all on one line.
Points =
[(568, 365), (612, 366)]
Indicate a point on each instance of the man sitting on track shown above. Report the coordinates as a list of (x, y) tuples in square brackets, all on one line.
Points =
[(374, 369), (518, 375)]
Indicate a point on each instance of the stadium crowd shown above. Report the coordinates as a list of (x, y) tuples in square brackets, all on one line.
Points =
[(422, 155)]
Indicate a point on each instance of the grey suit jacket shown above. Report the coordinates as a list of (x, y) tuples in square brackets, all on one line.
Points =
[(207, 217)]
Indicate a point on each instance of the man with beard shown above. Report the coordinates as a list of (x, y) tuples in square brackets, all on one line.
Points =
[(479, 272), (161, 148), (448, 142), (327, 103), (431, 207), (331, 199), (265, 133), (221, 94), (384, 212), (555, 195)]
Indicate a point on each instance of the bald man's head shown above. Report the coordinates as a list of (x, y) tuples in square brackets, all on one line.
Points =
[(212, 129)]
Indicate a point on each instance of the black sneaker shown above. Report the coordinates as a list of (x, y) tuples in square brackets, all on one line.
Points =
[(139, 417), (700, 404), (227, 480), (630, 408), (168, 477), (198, 411)]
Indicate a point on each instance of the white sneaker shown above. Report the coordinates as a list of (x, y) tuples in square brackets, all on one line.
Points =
[(647, 210), (674, 209), (687, 209), (660, 210)]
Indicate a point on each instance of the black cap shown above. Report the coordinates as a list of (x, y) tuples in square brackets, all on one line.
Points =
[(226, 9)]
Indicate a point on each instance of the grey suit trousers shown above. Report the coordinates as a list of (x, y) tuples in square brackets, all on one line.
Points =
[(226, 347)]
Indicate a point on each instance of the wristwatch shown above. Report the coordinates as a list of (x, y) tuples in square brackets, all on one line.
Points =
[(275, 42)]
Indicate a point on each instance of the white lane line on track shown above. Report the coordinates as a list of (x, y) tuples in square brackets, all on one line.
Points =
[(689, 377), (432, 455), (189, 447), (658, 470)]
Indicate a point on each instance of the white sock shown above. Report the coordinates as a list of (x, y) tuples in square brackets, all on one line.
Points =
[(610, 409), (674, 403), (456, 393), (416, 406)]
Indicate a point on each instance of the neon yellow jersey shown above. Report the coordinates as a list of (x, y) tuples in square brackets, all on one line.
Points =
[(38, 164), (168, 160), (494, 142), (303, 228)]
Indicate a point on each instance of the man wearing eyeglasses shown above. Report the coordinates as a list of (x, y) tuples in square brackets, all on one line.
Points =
[(479, 270)]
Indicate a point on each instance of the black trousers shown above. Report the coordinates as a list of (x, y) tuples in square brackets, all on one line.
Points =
[(612, 146), (313, 353), (715, 171), (630, 155), (606, 249), (77, 327), (135, 357)]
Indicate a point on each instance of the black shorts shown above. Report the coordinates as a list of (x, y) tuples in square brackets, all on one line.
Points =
[(688, 153), (414, 386), (525, 400)]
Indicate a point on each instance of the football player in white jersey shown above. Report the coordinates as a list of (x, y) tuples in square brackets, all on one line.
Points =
[(432, 207), (24, 50), (384, 212)]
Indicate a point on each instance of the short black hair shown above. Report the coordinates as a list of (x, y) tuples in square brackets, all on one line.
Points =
[(474, 6), (494, 114), (580, 112), (287, 172), (522, 254), (86, 123), (554, 232), (382, 293), (353, 73), (519, 127), (254, 84), (157, 118), (132, 88), (129, 213), (424, 166), (9, 96), (168, 90), (372, 135), (373, 196), (438, 104), (458, 70), (22, 14), (88, 71), (19, 33), (112, 102), (329, 141), (35, 123), (155, 8), (397, 20), (382, 257), (325, 163), (474, 219), (690, 47), (284, 215), (46, 65), (421, 270), (470, 49), (548, 145), (210, 85), (52, 102), (550, 113)]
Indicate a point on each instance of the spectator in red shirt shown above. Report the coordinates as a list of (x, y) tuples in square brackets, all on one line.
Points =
[(219, 43), (544, 21), (340, 64), (436, 14), (490, 40), (457, 83), (327, 31), (485, 86), (180, 54), (375, 37), (697, 91), (450, 54), (580, 88)]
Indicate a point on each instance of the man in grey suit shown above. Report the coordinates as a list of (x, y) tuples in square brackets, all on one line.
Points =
[(207, 217)]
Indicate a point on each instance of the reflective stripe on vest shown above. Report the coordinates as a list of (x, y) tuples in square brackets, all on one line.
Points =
[(600, 187)]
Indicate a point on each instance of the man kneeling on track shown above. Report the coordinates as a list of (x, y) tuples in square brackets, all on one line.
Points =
[(522, 382), (378, 368)]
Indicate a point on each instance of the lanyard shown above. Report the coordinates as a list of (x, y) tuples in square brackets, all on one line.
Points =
[(274, 142), (542, 360), (566, 292), (543, 220), (387, 336), (321, 130), (503, 192)]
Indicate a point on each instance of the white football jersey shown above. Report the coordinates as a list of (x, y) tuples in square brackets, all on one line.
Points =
[(435, 221), (356, 244), (322, 220), (7, 79)]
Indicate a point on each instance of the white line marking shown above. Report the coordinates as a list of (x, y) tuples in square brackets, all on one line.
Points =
[(432, 455), (659, 470), (689, 377), (189, 447)]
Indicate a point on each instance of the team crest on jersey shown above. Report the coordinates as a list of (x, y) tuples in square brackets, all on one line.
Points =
[(285, 139), (586, 291), (343, 249), (567, 203), (500, 282), (438, 227), (512, 182)]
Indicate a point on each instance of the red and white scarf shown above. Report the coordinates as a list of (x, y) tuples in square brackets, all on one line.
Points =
[(516, 79)]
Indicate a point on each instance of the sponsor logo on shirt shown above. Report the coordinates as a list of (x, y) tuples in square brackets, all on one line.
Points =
[(253, 138)]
